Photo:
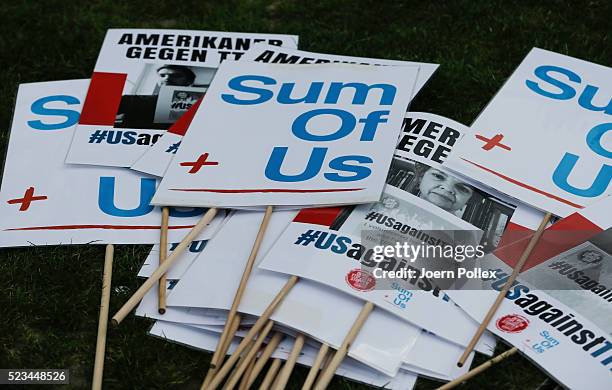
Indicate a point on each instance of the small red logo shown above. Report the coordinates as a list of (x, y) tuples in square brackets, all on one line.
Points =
[(360, 280), (512, 323)]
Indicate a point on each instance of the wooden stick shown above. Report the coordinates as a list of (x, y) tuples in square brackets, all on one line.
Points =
[(316, 365), (242, 359), (263, 359), (502, 294), (263, 319), (484, 366), (163, 253), (241, 368), (242, 286), (283, 376), (244, 383), (271, 374), (103, 321), (330, 370), (170, 260), (228, 342), (222, 350)]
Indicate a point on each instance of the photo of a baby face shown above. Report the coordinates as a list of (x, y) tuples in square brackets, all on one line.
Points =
[(444, 190)]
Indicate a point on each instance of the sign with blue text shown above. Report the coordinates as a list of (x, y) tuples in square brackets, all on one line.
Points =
[(144, 81), (46, 202), (545, 137), (291, 135)]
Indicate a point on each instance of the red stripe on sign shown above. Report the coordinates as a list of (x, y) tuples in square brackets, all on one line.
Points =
[(103, 98), (105, 227), (526, 186), (514, 233), (319, 216), (558, 238), (182, 124), (265, 190)]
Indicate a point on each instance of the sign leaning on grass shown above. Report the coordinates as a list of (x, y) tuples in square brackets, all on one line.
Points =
[(544, 138), (46, 202), (143, 81), (290, 135)]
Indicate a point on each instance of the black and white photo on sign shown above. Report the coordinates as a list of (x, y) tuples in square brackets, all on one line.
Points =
[(581, 277), (161, 94), (453, 195)]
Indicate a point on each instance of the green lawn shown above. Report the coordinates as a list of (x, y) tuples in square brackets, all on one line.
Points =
[(50, 296)]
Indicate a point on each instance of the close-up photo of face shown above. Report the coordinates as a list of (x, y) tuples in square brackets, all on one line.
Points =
[(444, 190), (178, 76)]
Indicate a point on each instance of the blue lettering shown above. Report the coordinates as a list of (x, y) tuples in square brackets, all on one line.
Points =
[(593, 139), (284, 95), (565, 167), (273, 169), (586, 100), (237, 84), (340, 164), (299, 125), (566, 91), (361, 92), (185, 212), (106, 198), (38, 108), (128, 138), (341, 245)]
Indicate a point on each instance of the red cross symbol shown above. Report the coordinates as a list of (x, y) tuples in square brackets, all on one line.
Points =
[(492, 142), (199, 163), (27, 199)]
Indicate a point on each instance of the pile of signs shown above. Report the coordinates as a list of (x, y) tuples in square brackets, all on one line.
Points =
[(292, 200)]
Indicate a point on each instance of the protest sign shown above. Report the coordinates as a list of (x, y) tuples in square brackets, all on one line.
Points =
[(207, 340), (305, 249), (557, 332), (156, 159), (542, 138), (143, 81), (346, 126), (327, 320), (45, 202)]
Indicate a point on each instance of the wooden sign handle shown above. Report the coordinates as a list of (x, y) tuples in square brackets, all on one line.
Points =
[(217, 355), (502, 294), (232, 381), (316, 365), (285, 373), (257, 326), (484, 366), (330, 370), (103, 321), (265, 356), (163, 253), (163, 268)]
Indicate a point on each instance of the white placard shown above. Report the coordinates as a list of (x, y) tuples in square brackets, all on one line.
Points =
[(544, 138), (46, 202), (123, 113), (557, 333), (299, 251), (222, 270), (292, 135), (206, 340), (156, 159)]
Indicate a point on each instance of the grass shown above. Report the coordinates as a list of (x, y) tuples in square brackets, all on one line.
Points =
[(50, 296)]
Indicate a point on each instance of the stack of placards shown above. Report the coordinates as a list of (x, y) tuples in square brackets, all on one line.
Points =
[(314, 219)]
